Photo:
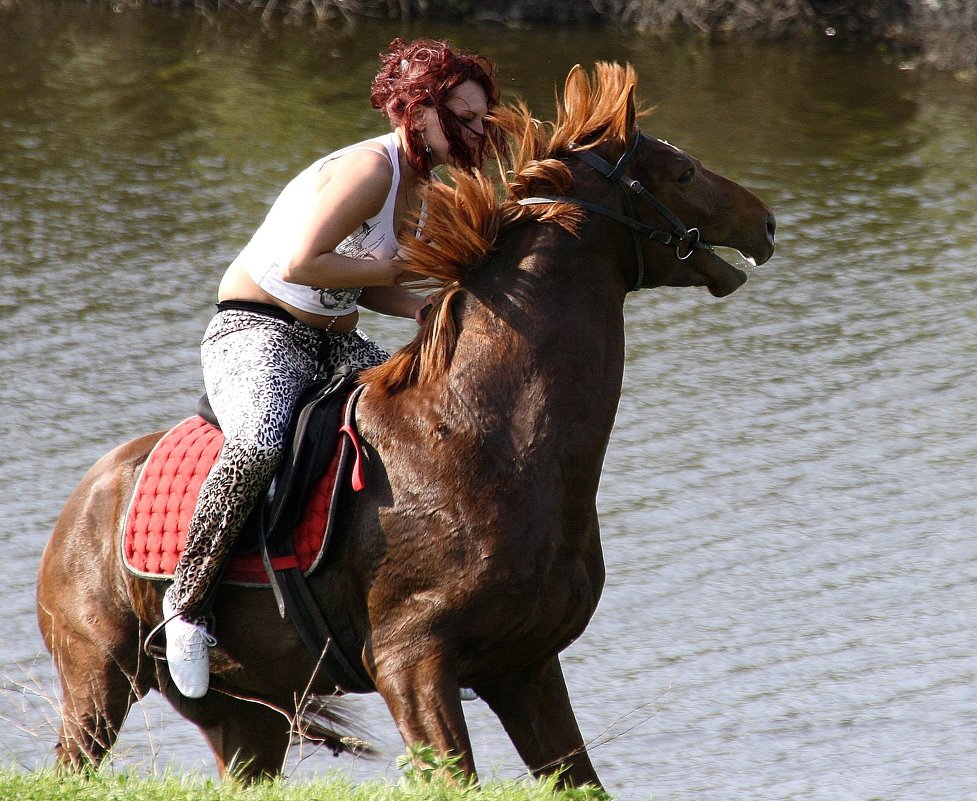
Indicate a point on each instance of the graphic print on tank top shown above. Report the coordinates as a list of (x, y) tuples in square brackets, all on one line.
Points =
[(353, 247)]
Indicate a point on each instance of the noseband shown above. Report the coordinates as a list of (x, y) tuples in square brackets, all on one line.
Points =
[(685, 240)]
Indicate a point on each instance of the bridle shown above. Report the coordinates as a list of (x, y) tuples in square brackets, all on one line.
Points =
[(685, 240)]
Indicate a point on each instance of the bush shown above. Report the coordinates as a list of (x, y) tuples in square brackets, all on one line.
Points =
[(942, 33)]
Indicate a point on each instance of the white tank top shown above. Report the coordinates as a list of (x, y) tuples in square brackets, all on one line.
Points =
[(272, 242)]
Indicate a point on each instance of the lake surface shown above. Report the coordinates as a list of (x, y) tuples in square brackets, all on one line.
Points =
[(788, 504)]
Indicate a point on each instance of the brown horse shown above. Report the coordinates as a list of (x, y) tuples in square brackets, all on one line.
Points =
[(473, 556)]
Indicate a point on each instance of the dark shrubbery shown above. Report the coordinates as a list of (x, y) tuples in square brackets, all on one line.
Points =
[(947, 33), (942, 33)]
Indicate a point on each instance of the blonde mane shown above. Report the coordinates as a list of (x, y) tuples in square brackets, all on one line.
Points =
[(464, 220)]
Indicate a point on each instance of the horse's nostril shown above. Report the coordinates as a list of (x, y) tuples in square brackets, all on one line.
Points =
[(771, 227)]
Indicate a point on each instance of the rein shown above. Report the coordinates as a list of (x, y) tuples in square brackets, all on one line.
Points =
[(685, 240)]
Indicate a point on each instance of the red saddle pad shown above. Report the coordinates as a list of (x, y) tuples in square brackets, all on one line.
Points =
[(155, 527)]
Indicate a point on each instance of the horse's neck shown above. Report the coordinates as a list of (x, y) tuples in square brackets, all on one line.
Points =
[(538, 362), (544, 348)]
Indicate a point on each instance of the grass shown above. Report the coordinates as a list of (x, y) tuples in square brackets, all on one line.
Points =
[(426, 777), (105, 786)]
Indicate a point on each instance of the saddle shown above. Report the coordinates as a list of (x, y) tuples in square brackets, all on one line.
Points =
[(312, 444), (292, 523)]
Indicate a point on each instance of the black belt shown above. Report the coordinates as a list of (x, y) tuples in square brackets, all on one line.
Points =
[(266, 309)]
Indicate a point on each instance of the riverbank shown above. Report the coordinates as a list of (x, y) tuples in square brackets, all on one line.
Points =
[(49, 786), (941, 35)]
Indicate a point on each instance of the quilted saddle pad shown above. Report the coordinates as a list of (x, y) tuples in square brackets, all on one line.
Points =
[(155, 527)]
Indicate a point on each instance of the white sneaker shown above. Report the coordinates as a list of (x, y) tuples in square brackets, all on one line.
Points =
[(186, 653)]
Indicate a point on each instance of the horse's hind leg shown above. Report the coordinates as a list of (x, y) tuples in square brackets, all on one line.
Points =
[(96, 695), (85, 615), (250, 740), (534, 708), (95, 650)]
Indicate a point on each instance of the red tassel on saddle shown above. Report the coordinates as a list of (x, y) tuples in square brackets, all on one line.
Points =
[(357, 479)]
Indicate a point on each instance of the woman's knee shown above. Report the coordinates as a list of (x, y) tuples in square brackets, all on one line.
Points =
[(252, 459)]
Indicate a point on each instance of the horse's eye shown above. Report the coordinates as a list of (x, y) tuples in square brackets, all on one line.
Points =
[(687, 177)]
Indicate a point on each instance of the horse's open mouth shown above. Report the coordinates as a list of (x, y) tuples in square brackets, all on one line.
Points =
[(722, 278)]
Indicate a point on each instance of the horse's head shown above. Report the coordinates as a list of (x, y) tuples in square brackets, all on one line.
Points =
[(681, 210), (677, 209)]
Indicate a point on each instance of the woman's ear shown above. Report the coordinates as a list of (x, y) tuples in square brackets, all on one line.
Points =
[(418, 119)]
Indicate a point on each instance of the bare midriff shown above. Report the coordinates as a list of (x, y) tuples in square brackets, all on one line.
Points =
[(238, 285)]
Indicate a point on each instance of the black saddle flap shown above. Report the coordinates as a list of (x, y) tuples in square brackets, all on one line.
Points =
[(310, 445), (206, 411)]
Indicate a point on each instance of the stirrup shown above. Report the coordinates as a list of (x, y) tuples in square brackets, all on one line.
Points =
[(156, 651), (151, 649)]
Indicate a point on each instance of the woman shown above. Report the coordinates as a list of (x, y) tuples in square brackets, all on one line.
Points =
[(287, 309)]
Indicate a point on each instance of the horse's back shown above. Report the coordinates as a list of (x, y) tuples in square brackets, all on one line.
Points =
[(100, 499), (81, 581)]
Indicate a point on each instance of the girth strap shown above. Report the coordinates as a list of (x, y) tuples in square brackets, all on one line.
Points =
[(291, 589)]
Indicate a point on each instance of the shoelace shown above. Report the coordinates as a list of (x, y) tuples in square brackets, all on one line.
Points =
[(194, 644)]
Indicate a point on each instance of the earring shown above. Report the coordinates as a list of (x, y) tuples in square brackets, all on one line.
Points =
[(428, 150)]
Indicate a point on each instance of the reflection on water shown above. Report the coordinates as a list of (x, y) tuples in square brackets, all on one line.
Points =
[(788, 500)]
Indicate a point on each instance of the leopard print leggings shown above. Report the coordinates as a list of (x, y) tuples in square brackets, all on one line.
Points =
[(255, 366)]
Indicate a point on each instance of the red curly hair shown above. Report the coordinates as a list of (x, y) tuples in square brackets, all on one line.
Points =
[(424, 72)]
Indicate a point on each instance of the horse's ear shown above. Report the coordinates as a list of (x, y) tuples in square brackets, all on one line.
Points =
[(631, 115), (576, 92)]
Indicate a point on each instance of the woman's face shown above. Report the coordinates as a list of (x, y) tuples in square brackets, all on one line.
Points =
[(469, 105)]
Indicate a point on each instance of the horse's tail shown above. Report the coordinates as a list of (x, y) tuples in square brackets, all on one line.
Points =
[(322, 721)]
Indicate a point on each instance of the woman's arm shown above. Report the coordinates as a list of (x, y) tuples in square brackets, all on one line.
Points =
[(354, 190), (397, 301)]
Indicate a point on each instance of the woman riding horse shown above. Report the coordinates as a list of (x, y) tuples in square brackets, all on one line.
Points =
[(472, 556)]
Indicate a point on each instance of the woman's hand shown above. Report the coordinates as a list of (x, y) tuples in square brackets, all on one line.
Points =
[(424, 310), (406, 276)]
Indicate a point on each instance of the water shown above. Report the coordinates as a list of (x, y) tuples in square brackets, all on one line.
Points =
[(788, 501)]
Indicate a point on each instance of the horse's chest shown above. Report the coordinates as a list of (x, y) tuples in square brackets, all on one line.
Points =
[(538, 605)]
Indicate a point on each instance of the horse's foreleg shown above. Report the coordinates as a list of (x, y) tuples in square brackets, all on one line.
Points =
[(425, 703), (534, 708)]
